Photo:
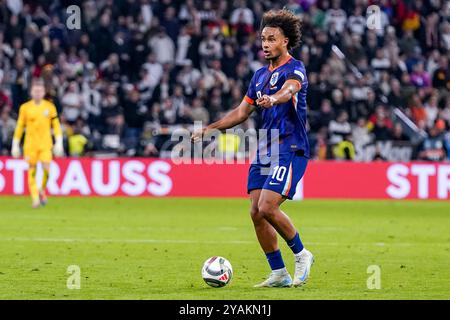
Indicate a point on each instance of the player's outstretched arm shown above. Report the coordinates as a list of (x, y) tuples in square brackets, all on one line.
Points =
[(287, 91), (233, 118)]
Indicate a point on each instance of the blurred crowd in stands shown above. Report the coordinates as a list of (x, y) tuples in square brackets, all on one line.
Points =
[(138, 69)]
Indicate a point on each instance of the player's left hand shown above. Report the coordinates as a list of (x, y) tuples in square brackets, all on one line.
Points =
[(265, 101)]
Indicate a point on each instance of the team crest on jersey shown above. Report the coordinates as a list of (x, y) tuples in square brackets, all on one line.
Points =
[(274, 79), (45, 113)]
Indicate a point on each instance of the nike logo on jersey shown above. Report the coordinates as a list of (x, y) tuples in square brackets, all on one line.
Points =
[(273, 184), (258, 83)]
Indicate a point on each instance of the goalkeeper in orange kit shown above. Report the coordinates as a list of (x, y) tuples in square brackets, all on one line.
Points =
[(38, 116)]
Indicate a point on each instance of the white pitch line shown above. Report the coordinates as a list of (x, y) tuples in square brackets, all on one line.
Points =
[(122, 240), (175, 241)]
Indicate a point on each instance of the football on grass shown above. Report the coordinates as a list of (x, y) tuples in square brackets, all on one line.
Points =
[(217, 272)]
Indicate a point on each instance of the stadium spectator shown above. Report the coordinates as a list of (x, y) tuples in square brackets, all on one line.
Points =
[(335, 17), (134, 114), (380, 130), (91, 98), (441, 76), (163, 47), (380, 115), (323, 117), (7, 126), (431, 109), (199, 112), (433, 148), (189, 78), (419, 77), (344, 150), (360, 133), (395, 97), (111, 112), (340, 128), (356, 22), (72, 103), (77, 140), (398, 134), (209, 48)]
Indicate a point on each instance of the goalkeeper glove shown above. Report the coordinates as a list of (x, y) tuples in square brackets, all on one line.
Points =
[(58, 149), (15, 150)]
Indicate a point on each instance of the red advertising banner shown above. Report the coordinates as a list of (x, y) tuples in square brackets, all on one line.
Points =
[(161, 177), (377, 180)]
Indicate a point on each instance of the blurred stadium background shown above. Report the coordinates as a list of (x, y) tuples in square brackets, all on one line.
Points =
[(138, 69)]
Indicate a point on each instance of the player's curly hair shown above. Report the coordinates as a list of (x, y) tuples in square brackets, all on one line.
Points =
[(287, 21)]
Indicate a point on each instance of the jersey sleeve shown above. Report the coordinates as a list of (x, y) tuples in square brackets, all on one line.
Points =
[(55, 121), (297, 72), (250, 96), (21, 121), (53, 112)]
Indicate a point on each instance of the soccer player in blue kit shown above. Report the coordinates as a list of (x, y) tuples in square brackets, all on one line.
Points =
[(280, 90)]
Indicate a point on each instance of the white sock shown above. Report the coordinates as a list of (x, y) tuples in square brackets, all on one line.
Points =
[(279, 272)]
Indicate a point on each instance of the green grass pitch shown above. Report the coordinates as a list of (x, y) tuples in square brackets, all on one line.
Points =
[(149, 248)]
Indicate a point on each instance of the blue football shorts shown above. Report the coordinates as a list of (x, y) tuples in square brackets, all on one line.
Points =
[(280, 176)]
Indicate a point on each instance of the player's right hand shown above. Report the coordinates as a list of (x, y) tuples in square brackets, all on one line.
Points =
[(15, 149), (197, 135), (265, 101)]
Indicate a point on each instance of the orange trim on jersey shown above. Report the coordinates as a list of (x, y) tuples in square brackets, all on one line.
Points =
[(290, 181), (283, 63), (249, 100)]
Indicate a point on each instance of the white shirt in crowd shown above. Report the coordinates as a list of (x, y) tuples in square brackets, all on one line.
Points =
[(210, 48), (72, 103), (163, 47), (155, 72), (338, 16), (338, 130), (246, 13), (189, 80), (361, 136), (432, 112), (357, 24)]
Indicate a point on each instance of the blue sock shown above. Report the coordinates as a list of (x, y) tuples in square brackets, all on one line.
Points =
[(275, 260), (295, 244)]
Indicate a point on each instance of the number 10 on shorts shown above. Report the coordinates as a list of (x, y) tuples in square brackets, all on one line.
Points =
[(279, 173)]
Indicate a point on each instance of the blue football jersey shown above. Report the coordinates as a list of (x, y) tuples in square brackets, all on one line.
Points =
[(288, 118)]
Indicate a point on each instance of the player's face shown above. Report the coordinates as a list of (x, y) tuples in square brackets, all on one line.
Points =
[(37, 92), (274, 43)]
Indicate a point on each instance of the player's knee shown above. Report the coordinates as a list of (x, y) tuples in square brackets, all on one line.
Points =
[(266, 209), (255, 214)]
